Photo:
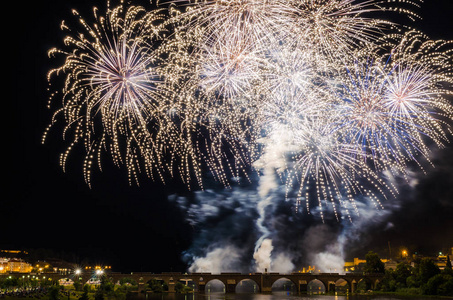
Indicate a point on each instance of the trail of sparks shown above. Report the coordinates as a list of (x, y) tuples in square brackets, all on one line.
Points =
[(213, 85)]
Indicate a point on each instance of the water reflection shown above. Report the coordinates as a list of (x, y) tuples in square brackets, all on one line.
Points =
[(284, 286), (281, 295), (214, 286), (247, 286)]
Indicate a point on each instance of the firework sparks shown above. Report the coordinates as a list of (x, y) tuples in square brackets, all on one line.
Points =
[(111, 96), (219, 84), (395, 106)]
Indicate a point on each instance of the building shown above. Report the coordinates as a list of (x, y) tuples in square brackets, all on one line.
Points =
[(390, 264), (13, 253), (53, 265), (3, 265), (14, 265), (357, 264), (354, 266)]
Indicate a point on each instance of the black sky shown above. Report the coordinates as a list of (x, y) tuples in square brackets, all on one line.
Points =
[(135, 228)]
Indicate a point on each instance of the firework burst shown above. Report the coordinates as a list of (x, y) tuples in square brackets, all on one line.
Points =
[(394, 106), (111, 95), (217, 85)]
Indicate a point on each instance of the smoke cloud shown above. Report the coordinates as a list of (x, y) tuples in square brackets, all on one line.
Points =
[(225, 258), (262, 255), (257, 227)]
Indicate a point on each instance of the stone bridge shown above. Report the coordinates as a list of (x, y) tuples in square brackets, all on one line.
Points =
[(264, 281)]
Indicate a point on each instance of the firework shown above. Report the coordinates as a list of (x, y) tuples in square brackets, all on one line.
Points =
[(227, 86), (111, 95), (257, 22), (333, 28), (394, 107), (309, 150)]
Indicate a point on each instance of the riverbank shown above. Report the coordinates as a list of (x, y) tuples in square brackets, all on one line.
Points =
[(403, 294)]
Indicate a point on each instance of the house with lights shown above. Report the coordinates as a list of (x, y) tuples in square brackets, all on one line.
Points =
[(14, 265)]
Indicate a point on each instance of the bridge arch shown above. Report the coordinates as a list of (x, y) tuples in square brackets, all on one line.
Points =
[(65, 281), (377, 284), (215, 286), (127, 281), (342, 286), (317, 286), (93, 281), (364, 284), (157, 284), (247, 286), (285, 285)]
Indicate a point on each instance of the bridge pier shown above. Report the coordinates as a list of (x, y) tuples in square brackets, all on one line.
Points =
[(302, 287), (141, 287), (330, 286), (230, 287), (171, 287), (201, 287)]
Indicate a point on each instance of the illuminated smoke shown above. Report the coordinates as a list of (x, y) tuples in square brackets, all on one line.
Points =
[(262, 255), (225, 258)]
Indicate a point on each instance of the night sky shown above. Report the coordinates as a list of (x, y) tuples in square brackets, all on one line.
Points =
[(135, 228)]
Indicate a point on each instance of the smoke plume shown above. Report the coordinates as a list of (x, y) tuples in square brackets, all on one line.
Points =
[(256, 227)]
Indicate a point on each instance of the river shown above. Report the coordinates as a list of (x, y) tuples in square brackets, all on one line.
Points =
[(273, 296)]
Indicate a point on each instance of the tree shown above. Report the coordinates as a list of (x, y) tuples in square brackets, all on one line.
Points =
[(388, 283), (157, 286), (427, 269), (10, 282), (106, 285), (413, 281), (181, 288), (53, 292), (128, 281), (402, 272), (84, 295), (77, 285), (373, 263), (446, 287), (99, 295), (439, 284)]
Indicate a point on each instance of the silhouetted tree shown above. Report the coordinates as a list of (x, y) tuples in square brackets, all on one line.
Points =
[(440, 284), (157, 286), (128, 281), (388, 283), (106, 285), (182, 288), (84, 295), (373, 263), (427, 269), (53, 292), (99, 295), (402, 272)]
